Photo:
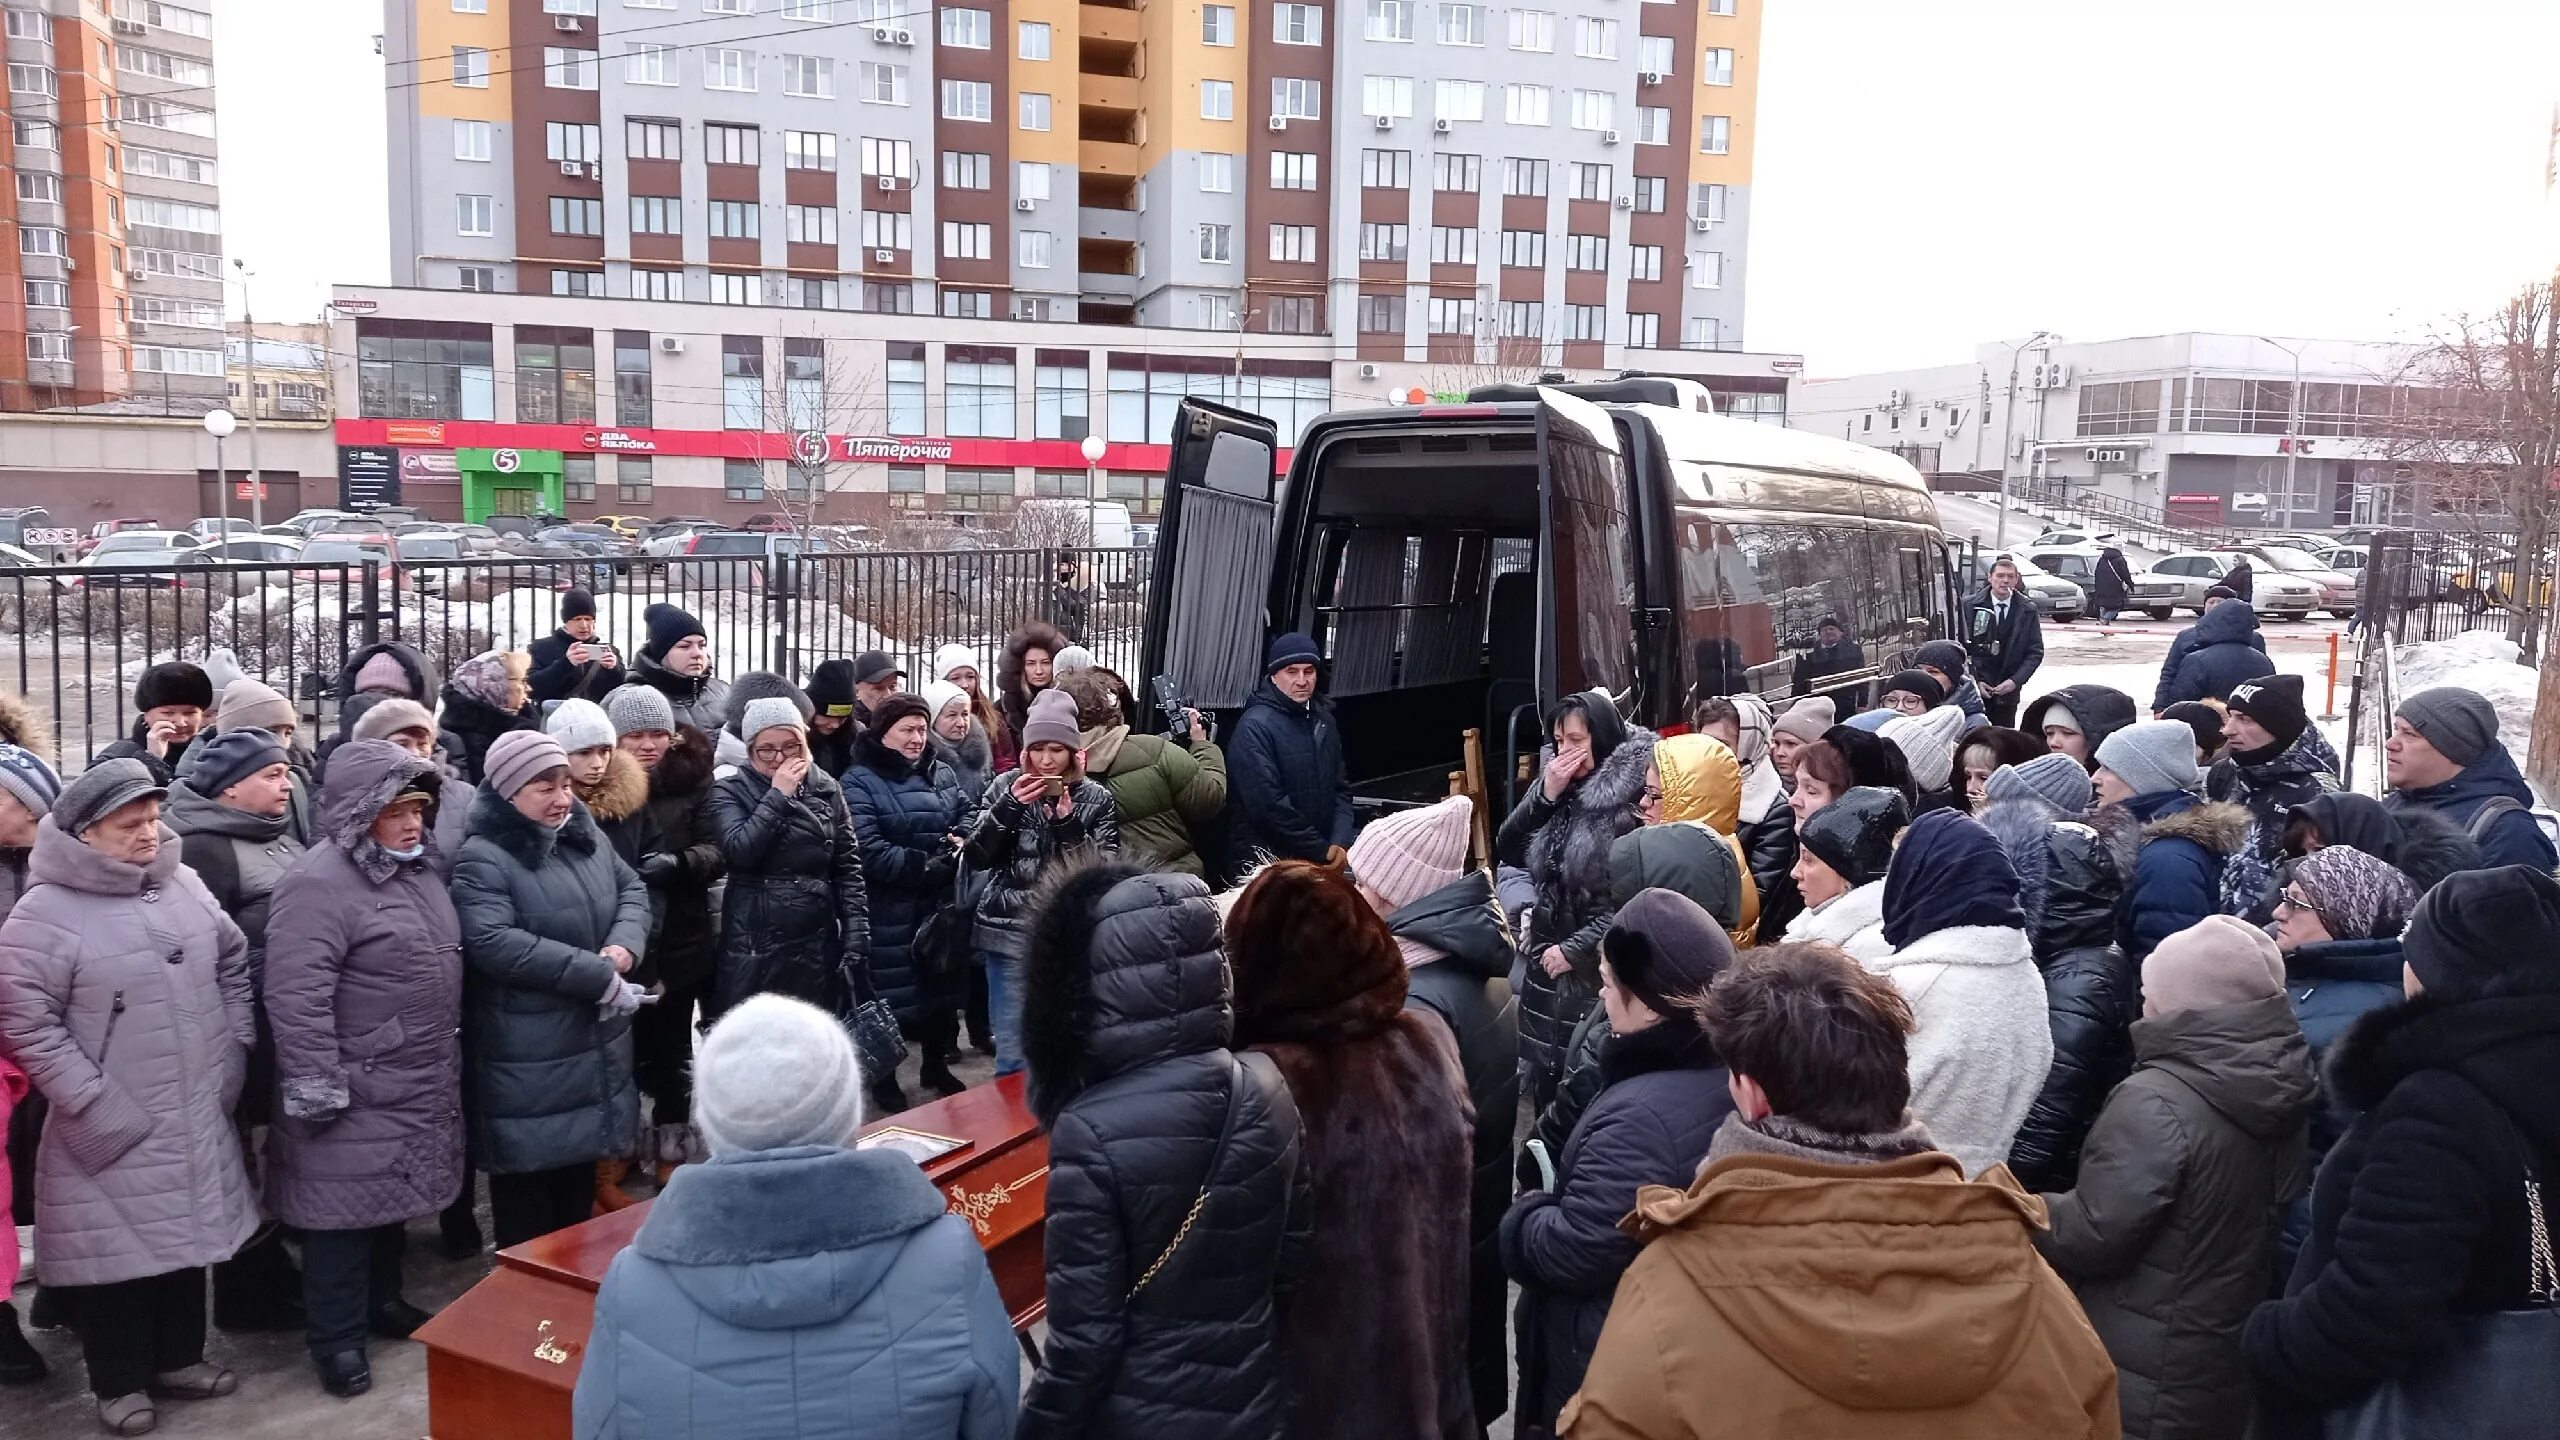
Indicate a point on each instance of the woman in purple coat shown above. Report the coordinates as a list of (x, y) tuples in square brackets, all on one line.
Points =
[(364, 994)]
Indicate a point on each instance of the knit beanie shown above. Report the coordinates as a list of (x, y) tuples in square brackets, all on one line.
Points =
[(576, 604), (173, 682), (223, 759), (579, 725), (1869, 721), (2219, 960), (2151, 756), (1944, 656), (873, 666), (955, 657), (938, 695), (771, 713), (1071, 659), (2058, 716), (897, 707), (1928, 743), (764, 685), (638, 710), (2356, 896), (1665, 949), (249, 705), (383, 674), (1407, 854), (484, 678), (2275, 702), (2052, 778), (2460, 723), (101, 790), (1052, 720), (1808, 718), (520, 757), (2478, 926), (668, 627), (2203, 719), (775, 1073), (1295, 648), (25, 778), (831, 688), (390, 716), (1920, 683), (1854, 833)]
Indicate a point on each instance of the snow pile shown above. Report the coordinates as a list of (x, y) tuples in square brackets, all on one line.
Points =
[(2481, 661)]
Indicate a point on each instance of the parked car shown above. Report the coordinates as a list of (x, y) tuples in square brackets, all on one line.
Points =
[(151, 564), (2337, 588), (2179, 582), (99, 532), (2491, 580), (250, 548), (2053, 596), (416, 545), (762, 557), (206, 527), (327, 552), (767, 522), (19, 558), (629, 527), (30, 528)]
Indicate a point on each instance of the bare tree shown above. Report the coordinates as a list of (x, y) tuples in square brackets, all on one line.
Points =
[(820, 398), (1501, 360)]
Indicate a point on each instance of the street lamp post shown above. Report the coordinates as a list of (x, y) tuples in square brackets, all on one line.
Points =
[(2009, 433), (2292, 423), (257, 482), (1092, 448), (219, 423)]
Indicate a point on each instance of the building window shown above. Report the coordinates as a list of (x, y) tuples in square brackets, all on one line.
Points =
[(967, 170), (169, 165), (968, 100), (883, 84), (657, 215), (1388, 95), (888, 297), (1061, 400), (741, 382), (1293, 243), (1702, 332), (571, 216), (967, 29), (729, 144), (809, 224), (742, 480), (470, 67), (1524, 104), (962, 240), (1644, 262), (653, 139), (804, 384), (811, 77), (1589, 181), (1386, 169), (1217, 244), (634, 404), (470, 140), (1461, 24), (47, 294), (1390, 20), (656, 284), (569, 140), (652, 65), (1453, 245), (1715, 134), (888, 230), (810, 292), (1533, 30), (1644, 332), (1594, 110), (977, 392), (728, 69), (1033, 109), (1218, 25), (424, 370), (977, 492), (1382, 242), (1458, 99), (1524, 249), (1524, 177), (1522, 320), (1653, 125), (1719, 7), (1217, 100), (1033, 41), (1718, 67), (730, 287), (478, 279), (808, 150), (1451, 315), (1707, 202), (634, 480), (564, 69), (1654, 54), (578, 479), (1297, 99), (733, 219), (1031, 249), (1595, 38), (1031, 180), (818, 10), (1586, 252), (1380, 314), (906, 489), (1706, 270), (1293, 170), (1292, 314), (889, 159), (1217, 173), (473, 215), (905, 413), (1297, 24), (1586, 322), (1458, 174)]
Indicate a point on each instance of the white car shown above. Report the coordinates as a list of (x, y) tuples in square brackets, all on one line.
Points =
[(2337, 587), (2179, 582)]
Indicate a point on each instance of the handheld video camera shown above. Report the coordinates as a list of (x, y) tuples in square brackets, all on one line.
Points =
[(1178, 711)]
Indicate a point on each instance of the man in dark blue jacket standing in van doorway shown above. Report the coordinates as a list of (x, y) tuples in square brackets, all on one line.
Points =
[(1291, 798), (2003, 639)]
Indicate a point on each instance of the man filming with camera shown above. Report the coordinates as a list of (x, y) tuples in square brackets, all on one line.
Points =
[(1167, 786)]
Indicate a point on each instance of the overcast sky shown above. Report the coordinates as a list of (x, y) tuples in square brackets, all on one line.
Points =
[(1930, 174)]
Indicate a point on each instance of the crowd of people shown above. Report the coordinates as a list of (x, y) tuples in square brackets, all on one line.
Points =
[(1812, 1070)]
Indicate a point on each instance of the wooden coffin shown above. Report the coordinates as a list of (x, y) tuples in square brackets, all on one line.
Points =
[(502, 1360)]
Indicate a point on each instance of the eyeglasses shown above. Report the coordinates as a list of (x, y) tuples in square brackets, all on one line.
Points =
[(2291, 901), (1652, 795), (778, 754)]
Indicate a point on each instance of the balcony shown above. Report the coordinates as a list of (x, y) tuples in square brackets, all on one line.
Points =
[(1096, 223), (1114, 93), (1109, 24), (1114, 158), (1102, 285)]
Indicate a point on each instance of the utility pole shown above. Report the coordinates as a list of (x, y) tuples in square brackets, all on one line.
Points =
[(2294, 413), (257, 478), (2009, 433)]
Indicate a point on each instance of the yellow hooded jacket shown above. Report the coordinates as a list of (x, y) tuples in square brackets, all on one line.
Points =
[(1702, 785)]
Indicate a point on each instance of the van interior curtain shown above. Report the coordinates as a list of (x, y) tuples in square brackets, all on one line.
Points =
[(1214, 639)]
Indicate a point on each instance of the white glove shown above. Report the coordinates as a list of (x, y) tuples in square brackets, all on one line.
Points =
[(622, 999)]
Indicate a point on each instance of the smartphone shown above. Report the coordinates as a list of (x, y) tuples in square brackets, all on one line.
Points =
[(1053, 786)]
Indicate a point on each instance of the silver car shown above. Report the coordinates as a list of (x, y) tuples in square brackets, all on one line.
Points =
[(2179, 582)]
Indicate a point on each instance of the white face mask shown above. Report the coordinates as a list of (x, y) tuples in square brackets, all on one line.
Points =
[(412, 853)]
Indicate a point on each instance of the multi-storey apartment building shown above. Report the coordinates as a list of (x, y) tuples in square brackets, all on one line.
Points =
[(111, 228), (1440, 179)]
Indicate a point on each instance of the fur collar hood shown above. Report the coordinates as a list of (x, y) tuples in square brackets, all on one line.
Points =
[(498, 820), (972, 755), (685, 771), (622, 791), (1845, 918), (2219, 827), (65, 860), (1569, 856), (1011, 695), (2501, 1042), (816, 1229), (1122, 970), (363, 776), (22, 727)]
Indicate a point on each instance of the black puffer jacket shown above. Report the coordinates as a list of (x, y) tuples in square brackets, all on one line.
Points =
[(477, 725), (796, 919), (1126, 1022), (904, 816), (2268, 788), (1286, 790), (2167, 1236), (688, 926), (1017, 844), (554, 677), (548, 1079), (1470, 991), (2418, 1216), (2226, 650), (2068, 888), (1663, 1096), (701, 701), (1769, 847), (2101, 710)]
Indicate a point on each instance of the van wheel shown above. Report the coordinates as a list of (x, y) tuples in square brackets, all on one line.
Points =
[(2163, 613)]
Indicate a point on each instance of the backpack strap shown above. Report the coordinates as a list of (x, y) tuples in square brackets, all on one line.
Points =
[(2489, 812)]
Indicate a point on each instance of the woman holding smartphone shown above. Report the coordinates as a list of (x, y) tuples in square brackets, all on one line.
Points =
[(1036, 817)]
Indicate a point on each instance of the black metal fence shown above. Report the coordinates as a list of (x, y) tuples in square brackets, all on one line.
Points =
[(2431, 584), (74, 639)]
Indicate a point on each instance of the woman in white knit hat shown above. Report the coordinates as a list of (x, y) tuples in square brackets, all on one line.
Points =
[(795, 1288)]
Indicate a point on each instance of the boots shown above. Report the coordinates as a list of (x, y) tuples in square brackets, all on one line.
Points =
[(935, 1075), (886, 1096), (458, 1225), (19, 1362), (610, 1196)]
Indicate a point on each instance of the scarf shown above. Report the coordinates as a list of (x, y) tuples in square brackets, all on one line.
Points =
[(1796, 1140), (1762, 789)]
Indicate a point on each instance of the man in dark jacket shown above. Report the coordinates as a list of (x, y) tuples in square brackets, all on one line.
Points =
[(2241, 581), (2169, 850), (2002, 635), (1292, 797), (2445, 755), (2419, 1217), (2214, 654), (683, 927), (1411, 866), (1069, 603), (2277, 760), (172, 702), (675, 661), (1833, 653), (570, 662), (2076, 719), (2111, 584), (1664, 1095), (836, 714)]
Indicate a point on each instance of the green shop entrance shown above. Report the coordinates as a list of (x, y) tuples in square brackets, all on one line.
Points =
[(509, 482)]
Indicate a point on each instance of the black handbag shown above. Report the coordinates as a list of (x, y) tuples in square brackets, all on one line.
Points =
[(2499, 1379), (877, 1039)]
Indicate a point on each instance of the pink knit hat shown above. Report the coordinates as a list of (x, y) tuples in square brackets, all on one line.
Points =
[(1407, 854)]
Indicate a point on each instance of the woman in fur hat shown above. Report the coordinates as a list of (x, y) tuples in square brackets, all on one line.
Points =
[(1027, 666)]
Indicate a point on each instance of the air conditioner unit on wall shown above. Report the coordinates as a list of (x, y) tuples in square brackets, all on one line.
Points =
[(1653, 77), (573, 169), (566, 24), (1024, 204), (1626, 202), (888, 182), (128, 27), (1608, 137), (883, 257), (670, 344), (1369, 372), (1384, 122), (902, 37), (1440, 127), (1279, 122)]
